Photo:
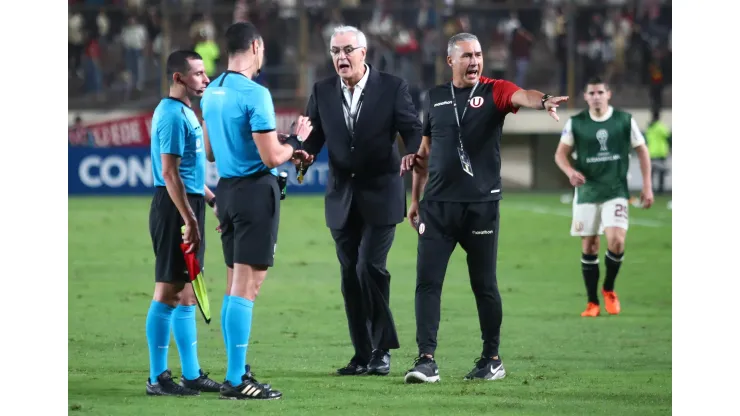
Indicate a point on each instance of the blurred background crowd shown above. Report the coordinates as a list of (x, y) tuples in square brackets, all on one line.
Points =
[(117, 47)]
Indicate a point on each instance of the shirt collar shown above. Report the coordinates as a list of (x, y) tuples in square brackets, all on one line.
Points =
[(605, 117), (360, 85)]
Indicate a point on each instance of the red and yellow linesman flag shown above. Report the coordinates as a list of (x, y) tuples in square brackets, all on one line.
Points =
[(195, 271)]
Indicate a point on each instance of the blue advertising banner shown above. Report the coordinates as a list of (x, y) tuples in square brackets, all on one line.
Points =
[(128, 171)]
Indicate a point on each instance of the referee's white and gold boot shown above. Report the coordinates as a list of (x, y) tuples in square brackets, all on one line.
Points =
[(249, 389)]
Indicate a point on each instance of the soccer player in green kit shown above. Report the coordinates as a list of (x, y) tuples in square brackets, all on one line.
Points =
[(601, 139)]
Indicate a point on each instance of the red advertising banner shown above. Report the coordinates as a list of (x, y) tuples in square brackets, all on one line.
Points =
[(135, 131)]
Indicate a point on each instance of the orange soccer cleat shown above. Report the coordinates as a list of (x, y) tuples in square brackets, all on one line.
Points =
[(612, 302), (592, 310)]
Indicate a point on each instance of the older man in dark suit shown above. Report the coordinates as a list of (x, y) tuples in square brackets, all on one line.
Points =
[(358, 114)]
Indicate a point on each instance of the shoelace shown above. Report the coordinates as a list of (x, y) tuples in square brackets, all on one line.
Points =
[(353, 363), (378, 354), (207, 380), (175, 387), (422, 359), (250, 377)]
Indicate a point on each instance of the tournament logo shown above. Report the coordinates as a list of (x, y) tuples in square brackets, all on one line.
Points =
[(602, 136), (476, 102)]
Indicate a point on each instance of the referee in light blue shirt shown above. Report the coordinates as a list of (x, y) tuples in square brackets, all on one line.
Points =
[(239, 122), (178, 168)]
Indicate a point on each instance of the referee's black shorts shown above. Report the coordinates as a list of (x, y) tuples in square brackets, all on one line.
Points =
[(249, 213), (165, 223)]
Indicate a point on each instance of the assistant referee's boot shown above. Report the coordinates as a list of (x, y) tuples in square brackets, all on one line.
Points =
[(202, 383), (167, 387)]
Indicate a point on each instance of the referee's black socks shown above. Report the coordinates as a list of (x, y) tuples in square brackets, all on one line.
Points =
[(590, 268), (613, 261)]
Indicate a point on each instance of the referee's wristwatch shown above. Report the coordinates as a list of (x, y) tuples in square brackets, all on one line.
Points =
[(545, 98), (212, 202)]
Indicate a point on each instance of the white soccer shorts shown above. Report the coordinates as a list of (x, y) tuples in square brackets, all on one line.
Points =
[(592, 219)]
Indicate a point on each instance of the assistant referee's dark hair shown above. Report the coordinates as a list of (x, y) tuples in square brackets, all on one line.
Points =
[(595, 81), (239, 37), (178, 62)]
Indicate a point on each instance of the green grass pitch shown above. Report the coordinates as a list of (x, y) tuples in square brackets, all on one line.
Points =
[(557, 362)]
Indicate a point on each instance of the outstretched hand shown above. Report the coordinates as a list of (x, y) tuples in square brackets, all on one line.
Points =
[(552, 104)]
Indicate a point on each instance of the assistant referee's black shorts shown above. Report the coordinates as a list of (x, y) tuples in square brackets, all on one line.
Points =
[(165, 223), (249, 213)]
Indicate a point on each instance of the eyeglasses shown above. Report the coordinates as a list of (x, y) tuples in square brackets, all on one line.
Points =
[(335, 51)]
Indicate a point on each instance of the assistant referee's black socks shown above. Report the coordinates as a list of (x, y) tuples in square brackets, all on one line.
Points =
[(590, 268), (613, 261)]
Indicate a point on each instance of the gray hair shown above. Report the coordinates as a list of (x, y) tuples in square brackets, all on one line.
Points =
[(361, 39), (460, 37)]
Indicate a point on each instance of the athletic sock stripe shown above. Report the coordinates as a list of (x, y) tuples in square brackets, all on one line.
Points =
[(614, 259)]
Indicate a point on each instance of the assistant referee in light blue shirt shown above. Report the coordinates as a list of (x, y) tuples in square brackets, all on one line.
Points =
[(178, 169), (239, 122)]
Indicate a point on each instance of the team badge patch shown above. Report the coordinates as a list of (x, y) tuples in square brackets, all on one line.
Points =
[(476, 102)]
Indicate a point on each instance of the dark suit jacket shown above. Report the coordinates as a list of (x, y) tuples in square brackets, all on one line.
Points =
[(367, 166)]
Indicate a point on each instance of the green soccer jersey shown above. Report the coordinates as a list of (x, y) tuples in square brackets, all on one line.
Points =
[(602, 151)]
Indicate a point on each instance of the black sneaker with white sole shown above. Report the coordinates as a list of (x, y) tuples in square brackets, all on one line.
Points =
[(250, 389), (425, 371), (165, 386), (202, 383), (487, 369)]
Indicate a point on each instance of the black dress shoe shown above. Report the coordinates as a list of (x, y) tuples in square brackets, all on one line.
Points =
[(354, 368), (380, 364)]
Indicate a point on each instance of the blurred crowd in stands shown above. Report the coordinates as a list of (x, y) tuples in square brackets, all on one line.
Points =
[(116, 46)]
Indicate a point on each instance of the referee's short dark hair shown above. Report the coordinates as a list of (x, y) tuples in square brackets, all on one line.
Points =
[(596, 80), (239, 37), (178, 61)]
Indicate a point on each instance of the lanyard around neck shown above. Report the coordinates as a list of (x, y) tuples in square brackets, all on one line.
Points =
[(458, 119)]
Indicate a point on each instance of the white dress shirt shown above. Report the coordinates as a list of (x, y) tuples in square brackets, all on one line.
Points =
[(353, 98)]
